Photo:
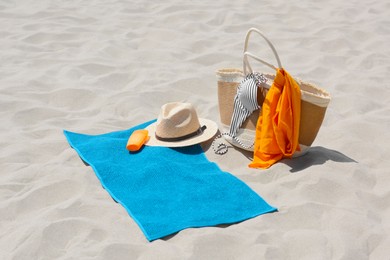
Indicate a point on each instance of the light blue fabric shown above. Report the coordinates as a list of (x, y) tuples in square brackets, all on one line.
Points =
[(166, 190)]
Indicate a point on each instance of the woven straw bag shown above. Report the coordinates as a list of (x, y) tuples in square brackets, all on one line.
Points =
[(314, 101)]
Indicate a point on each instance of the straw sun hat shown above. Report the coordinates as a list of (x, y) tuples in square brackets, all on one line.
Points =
[(178, 125)]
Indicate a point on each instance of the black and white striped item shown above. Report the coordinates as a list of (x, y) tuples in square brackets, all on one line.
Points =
[(222, 148), (245, 101)]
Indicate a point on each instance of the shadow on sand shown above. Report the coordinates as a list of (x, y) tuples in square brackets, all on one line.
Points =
[(316, 156)]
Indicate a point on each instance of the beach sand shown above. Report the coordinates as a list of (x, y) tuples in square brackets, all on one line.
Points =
[(99, 66)]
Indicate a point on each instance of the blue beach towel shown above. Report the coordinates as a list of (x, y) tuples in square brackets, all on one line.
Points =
[(166, 190)]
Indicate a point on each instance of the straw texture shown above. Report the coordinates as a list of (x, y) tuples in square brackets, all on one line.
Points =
[(314, 101)]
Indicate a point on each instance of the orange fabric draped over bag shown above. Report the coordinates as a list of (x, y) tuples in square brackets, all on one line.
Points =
[(277, 129)]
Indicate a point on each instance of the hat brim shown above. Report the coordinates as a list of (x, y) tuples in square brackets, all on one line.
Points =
[(208, 133)]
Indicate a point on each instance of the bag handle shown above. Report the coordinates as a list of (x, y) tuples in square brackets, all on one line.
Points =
[(246, 65)]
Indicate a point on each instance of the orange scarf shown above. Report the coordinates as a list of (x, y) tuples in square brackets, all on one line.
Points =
[(277, 128)]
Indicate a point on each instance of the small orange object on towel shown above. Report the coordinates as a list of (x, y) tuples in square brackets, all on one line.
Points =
[(137, 139), (277, 128)]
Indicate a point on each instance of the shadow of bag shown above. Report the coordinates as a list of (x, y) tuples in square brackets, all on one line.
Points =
[(314, 101)]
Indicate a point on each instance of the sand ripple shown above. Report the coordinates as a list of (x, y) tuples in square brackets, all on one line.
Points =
[(98, 66)]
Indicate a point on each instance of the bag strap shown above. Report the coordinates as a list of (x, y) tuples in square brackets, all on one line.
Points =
[(246, 65)]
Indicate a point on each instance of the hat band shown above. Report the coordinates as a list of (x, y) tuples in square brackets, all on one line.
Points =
[(181, 138)]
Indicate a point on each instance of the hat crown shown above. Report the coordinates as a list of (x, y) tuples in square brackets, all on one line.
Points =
[(177, 120)]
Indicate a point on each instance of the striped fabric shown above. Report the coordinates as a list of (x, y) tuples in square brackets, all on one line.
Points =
[(222, 148), (245, 101)]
